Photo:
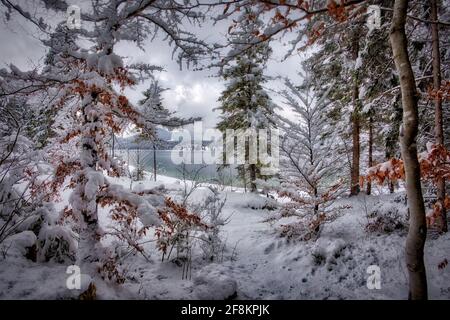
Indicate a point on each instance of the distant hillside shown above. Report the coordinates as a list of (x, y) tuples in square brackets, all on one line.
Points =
[(164, 143), (133, 142)]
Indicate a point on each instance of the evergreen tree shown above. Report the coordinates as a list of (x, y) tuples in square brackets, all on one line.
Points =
[(355, 61), (245, 104), (151, 107)]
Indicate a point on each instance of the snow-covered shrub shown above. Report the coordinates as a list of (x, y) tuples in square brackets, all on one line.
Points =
[(307, 227), (132, 217), (297, 230), (176, 229), (23, 210), (109, 269), (214, 282), (258, 202), (385, 221), (18, 245), (128, 228), (331, 253), (434, 165), (212, 243), (15, 161), (56, 243), (319, 256)]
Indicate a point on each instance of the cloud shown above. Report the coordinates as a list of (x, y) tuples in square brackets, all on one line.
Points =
[(191, 93)]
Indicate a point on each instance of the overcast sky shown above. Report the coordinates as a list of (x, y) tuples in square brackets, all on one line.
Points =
[(191, 93)]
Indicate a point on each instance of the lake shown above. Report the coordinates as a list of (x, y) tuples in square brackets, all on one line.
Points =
[(165, 166)]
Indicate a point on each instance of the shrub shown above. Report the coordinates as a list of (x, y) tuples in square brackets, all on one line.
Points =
[(56, 243), (385, 222), (212, 243), (176, 230)]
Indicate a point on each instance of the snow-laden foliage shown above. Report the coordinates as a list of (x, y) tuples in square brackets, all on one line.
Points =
[(24, 200), (245, 103), (64, 199), (17, 163), (175, 233), (434, 164), (85, 86), (212, 242), (310, 167), (151, 107)]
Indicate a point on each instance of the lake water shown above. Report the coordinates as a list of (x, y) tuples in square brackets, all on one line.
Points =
[(165, 166)]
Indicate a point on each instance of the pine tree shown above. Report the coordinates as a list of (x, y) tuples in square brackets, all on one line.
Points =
[(151, 107), (245, 104)]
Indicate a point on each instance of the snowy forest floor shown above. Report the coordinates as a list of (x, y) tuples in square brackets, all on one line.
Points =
[(257, 263)]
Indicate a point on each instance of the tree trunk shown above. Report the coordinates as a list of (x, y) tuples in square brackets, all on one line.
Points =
[(316, 206), (113, 155), (356, 153), (393, 135), (138, 164), (370, 164), (154, 162), (356, 126), (252, 169), (417, 232), (244, 176), (438, 127)]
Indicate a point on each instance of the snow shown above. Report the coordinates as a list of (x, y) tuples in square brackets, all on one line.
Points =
[(95, 179), (257, 263), (257, 202), (238, 251), (108, 63), (18, 243), (214, 282), (50, 235)]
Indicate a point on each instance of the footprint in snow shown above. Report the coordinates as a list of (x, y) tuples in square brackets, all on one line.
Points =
[(269, 248)]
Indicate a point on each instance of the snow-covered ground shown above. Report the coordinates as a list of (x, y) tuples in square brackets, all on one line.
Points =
[(257, 263)]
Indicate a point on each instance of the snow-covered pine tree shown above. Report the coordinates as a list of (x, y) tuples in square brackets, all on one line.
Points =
[(310, 167), (432, 82), (151, 107), (245, 104), (338, 28), (380, 105)]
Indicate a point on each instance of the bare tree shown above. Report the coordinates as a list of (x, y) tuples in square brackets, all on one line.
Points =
[(415, 241)]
